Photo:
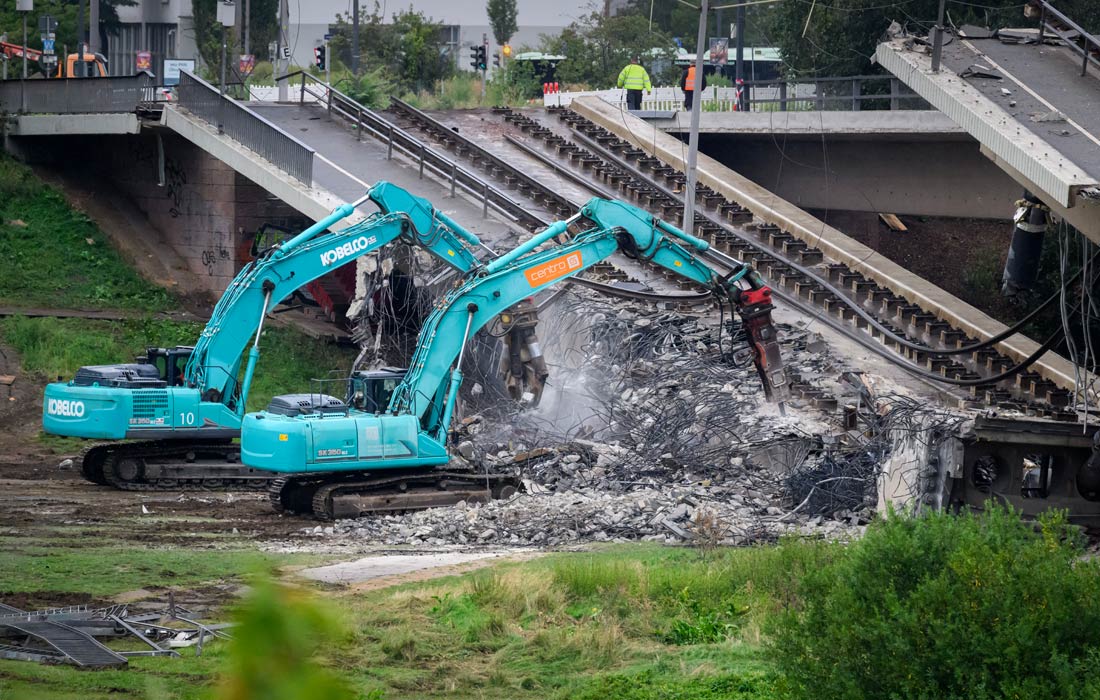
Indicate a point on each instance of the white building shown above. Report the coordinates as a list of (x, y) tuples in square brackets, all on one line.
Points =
[(165, 27)]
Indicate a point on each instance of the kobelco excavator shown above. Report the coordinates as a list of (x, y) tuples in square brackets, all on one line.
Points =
[(343, 461), (178, 409)]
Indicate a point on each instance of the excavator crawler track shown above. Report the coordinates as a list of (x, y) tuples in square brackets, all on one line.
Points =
[(336, 495), (171, 465)]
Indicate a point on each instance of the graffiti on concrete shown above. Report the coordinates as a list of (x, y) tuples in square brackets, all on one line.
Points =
[(175, 178), (215, 254)]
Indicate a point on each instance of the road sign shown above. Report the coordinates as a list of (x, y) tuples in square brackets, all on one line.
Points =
[(284, 51), (47, 45), (172, 68), (328, 37)]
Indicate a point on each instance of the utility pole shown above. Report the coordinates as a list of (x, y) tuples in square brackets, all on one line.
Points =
[(24, 6), (355, 38), (282, 66), (79, 41), (740, 72), (93, 27), (227, 17), (693, 138), (247, 23)]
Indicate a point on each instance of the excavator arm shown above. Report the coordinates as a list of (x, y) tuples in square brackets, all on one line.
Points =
[(215, 362), (606, 226), (331, 455)]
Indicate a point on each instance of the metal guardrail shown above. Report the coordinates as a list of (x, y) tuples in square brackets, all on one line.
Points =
[(246, 127), (77, 95), (853, 93), (1089, 46), (366, 120)]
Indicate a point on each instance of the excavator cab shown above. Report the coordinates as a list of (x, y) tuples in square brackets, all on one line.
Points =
[(170, 362), (370, 392)]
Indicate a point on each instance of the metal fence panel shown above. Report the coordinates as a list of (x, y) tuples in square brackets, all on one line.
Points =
[(76, 95), (246, 127)]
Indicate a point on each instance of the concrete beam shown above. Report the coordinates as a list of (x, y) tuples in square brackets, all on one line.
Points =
[(1051, 176), (1084, 216), (314, 202), (74, 124), (771, 208), (911, 124)]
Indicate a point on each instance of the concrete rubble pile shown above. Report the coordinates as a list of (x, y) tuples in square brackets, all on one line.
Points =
[(660, 432)]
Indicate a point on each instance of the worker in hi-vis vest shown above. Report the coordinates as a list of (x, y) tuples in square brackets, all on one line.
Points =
[(687, 84), (634, 78)]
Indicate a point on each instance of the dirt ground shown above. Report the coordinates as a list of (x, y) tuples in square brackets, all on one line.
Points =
[(39, 499), (945, 250)]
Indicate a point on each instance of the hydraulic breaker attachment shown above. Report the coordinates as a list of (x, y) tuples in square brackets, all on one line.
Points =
[(755, 307), (523, 363)]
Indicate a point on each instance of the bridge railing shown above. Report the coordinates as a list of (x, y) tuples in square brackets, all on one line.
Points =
[(77, 95), (854, 93), (246, 127)]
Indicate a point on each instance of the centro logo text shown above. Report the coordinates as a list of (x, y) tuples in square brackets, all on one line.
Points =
[(350, 248), (552, 270), (64, 407)]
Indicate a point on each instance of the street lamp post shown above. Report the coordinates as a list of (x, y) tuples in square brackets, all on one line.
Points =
[(693, 138), (227, 17)]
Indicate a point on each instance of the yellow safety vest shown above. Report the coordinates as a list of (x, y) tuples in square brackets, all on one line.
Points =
[(634, 77)]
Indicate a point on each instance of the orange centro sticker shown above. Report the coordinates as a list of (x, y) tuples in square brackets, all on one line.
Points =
[(554, 269)]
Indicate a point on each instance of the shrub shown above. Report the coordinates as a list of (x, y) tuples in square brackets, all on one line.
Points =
[(973, 606)]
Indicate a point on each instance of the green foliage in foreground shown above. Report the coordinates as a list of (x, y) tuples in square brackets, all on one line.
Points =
[(273, 656), (55, 257), (58, 347), (942, 606)]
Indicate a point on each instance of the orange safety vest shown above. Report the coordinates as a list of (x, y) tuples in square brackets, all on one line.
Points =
[(690, 84)]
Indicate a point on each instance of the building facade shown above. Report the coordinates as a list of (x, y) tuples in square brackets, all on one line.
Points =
[(166, 28)]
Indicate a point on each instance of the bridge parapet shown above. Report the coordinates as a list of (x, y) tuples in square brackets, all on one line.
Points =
[(246, 127), (77, 95)]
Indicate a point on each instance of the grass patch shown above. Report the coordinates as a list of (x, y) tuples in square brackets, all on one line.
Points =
[(582, 625), (185, 678), (55, 348), (106, 571), (56, 257)]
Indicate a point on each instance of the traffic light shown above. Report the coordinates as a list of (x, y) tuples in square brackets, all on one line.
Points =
[(506, 51), (319, 57), (475, 60), (496, 60), (482, 61)]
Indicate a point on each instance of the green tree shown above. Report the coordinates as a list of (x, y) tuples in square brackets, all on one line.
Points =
[(410, 49), (64, 11), (597, 47), (263, 26), (976, 606), (838, 37), (502, 18)]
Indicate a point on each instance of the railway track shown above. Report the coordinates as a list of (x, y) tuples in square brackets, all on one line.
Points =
[(859, 308)]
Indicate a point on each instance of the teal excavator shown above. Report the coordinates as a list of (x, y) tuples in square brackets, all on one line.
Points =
[(176, 411), (340, 460)]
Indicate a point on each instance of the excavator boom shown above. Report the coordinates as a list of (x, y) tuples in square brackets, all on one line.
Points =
[(334, 443), (203, 400)]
